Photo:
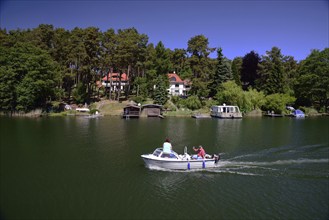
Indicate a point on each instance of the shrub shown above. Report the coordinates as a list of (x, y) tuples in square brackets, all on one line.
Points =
[(138, 99), (93, 111), (277, 102), (193, 102)]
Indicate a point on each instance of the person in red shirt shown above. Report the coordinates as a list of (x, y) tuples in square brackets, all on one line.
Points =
[(201, 152)]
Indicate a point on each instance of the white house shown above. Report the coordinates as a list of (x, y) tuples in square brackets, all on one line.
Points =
[(114, 80), (177, 86)]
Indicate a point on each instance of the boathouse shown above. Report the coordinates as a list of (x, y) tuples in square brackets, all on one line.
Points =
[(152, 110), (131, 111)]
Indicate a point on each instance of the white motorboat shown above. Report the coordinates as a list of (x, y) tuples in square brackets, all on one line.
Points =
[(225, 111), (174, 161)]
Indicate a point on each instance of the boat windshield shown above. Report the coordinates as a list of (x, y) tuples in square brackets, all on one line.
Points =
[(157, 152), (168, 155)]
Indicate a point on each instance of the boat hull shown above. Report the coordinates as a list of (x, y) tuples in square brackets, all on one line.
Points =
[(179, 164), (227, 115)]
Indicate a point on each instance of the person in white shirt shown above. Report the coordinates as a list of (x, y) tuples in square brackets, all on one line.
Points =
[(167, 147)]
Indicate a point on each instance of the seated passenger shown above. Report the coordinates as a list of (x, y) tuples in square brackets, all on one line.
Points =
[(201, 152), (167, 148)]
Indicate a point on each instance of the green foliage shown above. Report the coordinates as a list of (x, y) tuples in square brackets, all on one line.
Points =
[(142, 87), (277, 102), (290, 77), (230, 93), (193, 102), (199, 87), (222, 73), (312, 86), (198, 46), (175, 99), (30, 75), (7, 89), (162, 64), (236, 70), (80, 93), (208, 103), (138, 99), (253, 100), (308, 110), (160, 94), (179, 61), (271, 72), (45, 63), (249, 69), (129, 53), (93, 111), (200, 64), (55, 106)]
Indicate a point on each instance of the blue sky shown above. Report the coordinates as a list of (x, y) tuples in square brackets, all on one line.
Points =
[(295, 26)]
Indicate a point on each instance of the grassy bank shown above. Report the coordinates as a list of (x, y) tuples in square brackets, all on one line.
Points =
[(110, 108)]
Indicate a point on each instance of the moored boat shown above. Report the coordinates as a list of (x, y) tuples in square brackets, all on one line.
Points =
[(297, 114), (225, 111), (174, 161)]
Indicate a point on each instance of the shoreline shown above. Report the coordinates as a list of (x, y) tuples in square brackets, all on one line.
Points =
[(115, 109), (78, 114)]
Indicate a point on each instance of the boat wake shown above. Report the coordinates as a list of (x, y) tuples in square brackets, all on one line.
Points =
[(303, 161), (278, 162), (259, 168)]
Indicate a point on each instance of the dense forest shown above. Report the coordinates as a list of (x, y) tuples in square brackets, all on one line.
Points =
[(44, 66)]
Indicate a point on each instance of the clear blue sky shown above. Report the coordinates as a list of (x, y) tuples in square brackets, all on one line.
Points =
[(295, 26)]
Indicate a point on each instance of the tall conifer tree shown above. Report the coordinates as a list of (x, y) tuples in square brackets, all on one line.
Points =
[(222, 73)]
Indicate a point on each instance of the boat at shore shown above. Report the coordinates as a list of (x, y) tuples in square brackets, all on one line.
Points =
[(296, 113), (273, 115), (225, 111), (174, 161)]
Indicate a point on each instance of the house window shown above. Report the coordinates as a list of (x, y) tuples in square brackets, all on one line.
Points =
[(176, 85)]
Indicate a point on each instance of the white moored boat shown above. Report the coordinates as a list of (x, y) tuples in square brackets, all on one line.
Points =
[(174, 161), (225, 111)]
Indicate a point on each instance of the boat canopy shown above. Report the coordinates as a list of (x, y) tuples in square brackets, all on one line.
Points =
[(225, 108), (159, 153), (299, 112)]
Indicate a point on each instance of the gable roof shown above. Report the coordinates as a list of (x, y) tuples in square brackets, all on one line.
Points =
[(115, 77), (151, 106), (174, 78)]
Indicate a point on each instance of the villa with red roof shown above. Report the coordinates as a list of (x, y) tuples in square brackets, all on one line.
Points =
[(114, 80), (177, 86)]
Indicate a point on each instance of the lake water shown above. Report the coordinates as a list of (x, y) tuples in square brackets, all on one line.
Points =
[(78, 168)]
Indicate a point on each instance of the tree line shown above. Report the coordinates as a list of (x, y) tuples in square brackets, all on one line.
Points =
[(43, 66)]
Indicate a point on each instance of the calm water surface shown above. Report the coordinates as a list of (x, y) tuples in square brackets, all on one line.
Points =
[(77, 168)]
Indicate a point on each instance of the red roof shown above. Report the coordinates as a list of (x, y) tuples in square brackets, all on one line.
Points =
[(173, 77), (115, 77), (187, 82)]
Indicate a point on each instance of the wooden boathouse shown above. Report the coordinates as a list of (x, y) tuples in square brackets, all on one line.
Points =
[(131, 111), (152, 110)]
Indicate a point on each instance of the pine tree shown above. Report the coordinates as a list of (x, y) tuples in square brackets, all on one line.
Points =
[(271, 72), (160, 94), (249, 73), (222, 73)]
